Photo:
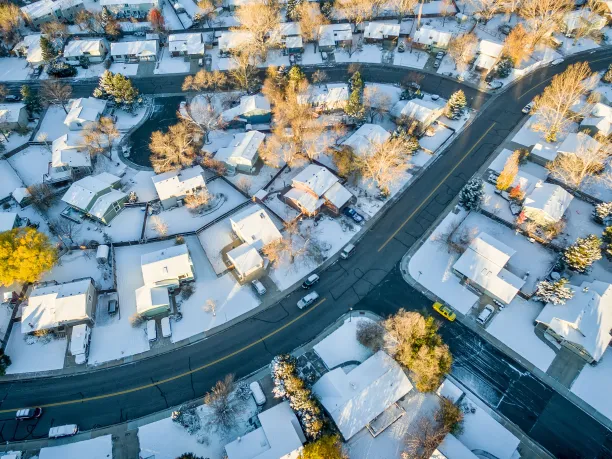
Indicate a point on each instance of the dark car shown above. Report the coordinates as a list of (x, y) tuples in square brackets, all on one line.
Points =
[(352, 213), (310, 281), (113, 307), (29, 413), (12, 98)]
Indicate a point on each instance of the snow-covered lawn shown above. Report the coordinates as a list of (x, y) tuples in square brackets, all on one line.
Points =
[(96, 448), (579, 222), (514, 327), (13, 69), (81, 263), (369, 54), (593, 382), (253, 183), (571, 46), (52, 125), (140, 182), (93, 71), (31, 164), (168, 64), (124, 69), (496, 204), (9, 181), (14, 140), (29, 354), (214, 239), (342, 345), (126, 120), (434, 142), (416, 58)]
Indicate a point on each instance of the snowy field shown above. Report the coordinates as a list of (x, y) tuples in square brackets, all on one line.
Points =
[(593, 383), (579, 222), (81, 263), (124, 69), (96, 448), (342, 345), (52, 125), (416, 59), (9, 181), (13, 69), (168, 64), (214, 239), (141, 183), (253, 183), (31, 164), (29, 354)]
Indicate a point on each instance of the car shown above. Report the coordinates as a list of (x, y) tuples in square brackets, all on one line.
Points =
[(440, 55), (445, 311), (495, 84), (28, 413), (308, 300), (310, 281), (258, 393), (347, 251), (258, 287), (401, 47), (151, 330), (113, 307), (556, 61), (12, 98), (527, 108), (352, 213), (165, 327), (437, 63), (485, 314), (63, 431), (434, 97)]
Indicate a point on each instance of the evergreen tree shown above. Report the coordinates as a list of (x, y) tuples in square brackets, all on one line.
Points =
[(456, 105), (602, 212), (554, 292), (292, 9), (607, 77), (31, 100), (583, 253), (47, 49), (607, 235), (189, 456), (354, 106), (471, 194), (117, 87), (295, 75), (504, 67), (326, 447)]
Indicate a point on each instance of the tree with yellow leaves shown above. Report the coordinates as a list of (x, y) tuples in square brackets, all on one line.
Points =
[(25, 254)]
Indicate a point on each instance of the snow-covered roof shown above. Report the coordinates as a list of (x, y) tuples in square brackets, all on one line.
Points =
[(585, 319), (549, 199), (7, 221), (451, 448), (254, 226), (53, 305), (82, 192), (338, 195), (483, 264), (85, 110), (69, 150), (149, 298), (279, 437), (178, 183), (242, 149), (234, 40), (330, 34), (288, 29), (191, 43), (245, 258), (317, 179), (77, 339), (46, 7), (305, 200), (603, 125), (30, 44), (21, 193), (332, 95), (105, 202), (166, 264), (574, 19), (419, 109), (380, 30), (366, 138), (355, 398), (427, 36), (490, 48), (248, 104), (90, 46), (9, 113), (294, 42), (579, 143), (135, 48), (484, 61), (128, 2)]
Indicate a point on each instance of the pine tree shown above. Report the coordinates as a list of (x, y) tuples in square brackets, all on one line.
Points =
[(554, 292), (295, 75), (504, 67), (31, 100), (456, 105), (47, 49), (602, 211), (607, 77), (471, 194), (354, 106), (118, 87), (583, 253)]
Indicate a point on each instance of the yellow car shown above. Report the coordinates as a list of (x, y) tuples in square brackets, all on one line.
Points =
[(445, 311)]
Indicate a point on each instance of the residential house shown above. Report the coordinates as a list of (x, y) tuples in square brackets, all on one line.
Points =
[(288, 36), (54, 306), (29, 47), (332, 36), (279, 436), (91, 50), (431, 39), (70, 159), (13, 116), (127, 8), (482, 266), (546, 204), (578, 144), (365, 139), (242, 154), (488, 54), (328, 98), (230, 42), (152, 301), (381, 32), (186, 44), (452, 448), (315, 187), (84, 112), (9, 221), (355, 398), (583, 323), (135, 51), (42, 11), (174, 186), (231, 5), (422, 111), (582, 19), (599, 120), (253, 109), (96, 197)]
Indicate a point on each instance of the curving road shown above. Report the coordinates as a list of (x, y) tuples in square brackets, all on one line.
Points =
[(368, 280)]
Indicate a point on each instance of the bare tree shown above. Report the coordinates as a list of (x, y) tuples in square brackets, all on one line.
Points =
[(544, 17), (259, 19), (205, 80), (423, 439), (243, 72), (195, 201), (65, 228), (487, 8), (159, 225), (224, 412), (98, 137), (10, 22), (376, 102), (586, 164), (211, 307), (208, 10), (56, 93), (54, 30), (357, 11), (519, 45), (591, 22), (244, 184), (310, 20), (205, 117), (447, 8), (403, 7), (41, 195), (83, 19), (508, 173), (462, 49), (319, 77), (371, 335), (174, 149)]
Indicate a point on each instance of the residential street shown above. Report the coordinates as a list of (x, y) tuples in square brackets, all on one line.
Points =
[(368, 280)]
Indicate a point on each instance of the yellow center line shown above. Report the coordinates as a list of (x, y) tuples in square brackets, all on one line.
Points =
[(181, 375), (437, 187)]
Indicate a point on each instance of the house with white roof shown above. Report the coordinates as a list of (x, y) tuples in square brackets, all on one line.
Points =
[(578, 144), (84, 112), (427, 38), (379, 32), (365, 139), (8, 221), (489, 53), (288, 35), (482, 266), (279, 437), (546, 204), (232, 41), (452, 448), (169, 267), (422, 111), (582, 18), (583, 323), (138, 8), (69, 158), (29, 47), (90, 49), (314, 187), (355, 399), (599, 121), (152, 301), (96, 197), (254, 109), (332, 36), (329, 97), (242, 153), (13, 116), (53, 306), (173, 186), (135, 51), (186, 44), (606, 8), (42, 11)]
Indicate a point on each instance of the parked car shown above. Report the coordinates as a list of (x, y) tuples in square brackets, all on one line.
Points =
[(438, 60), (258, 393), (352, 213), (485, 314), (496, 84), (12, 98), (556, 61), (401, 47), (527, 108), (29, 413), (308, 300), (151, 330), (113, 307), (165, 327), (310, 281), (445, 311), (347, 251), (63, 431), (258, 287)]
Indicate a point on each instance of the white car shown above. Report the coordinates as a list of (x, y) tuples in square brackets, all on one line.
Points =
[(63, 431), (527, 108), (485, 314), (556, 61), (308, 300)]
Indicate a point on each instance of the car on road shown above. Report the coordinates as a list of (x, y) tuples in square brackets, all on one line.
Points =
[(496, 84), (310, 281), (438, 60), (63, 431), (352, 213), (12, 98), (29, 413), (347, 251), (556, 61), (485, 315), (527, 108), (308, 300), (445, 311)]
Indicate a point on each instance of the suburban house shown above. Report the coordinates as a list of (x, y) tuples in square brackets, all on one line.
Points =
[(69, 158), (452, 448), (355, 399), (9, 221), (186, 44), (582, 18), (96, 197), (332, 36), (288, 36), (280, 436), (169, 267), (173, 186), (329, 97), (432, 39), (423, 112), (489, 53), (83, 112), (583, 323), (29, 47), (254, 229), (381, 32), (92, 50), (152, 301), (365, 139), (578, 144), (482, 266), (139, 8), (599, 120), (546, 204), (242, 154), (53, 306), (13, 116), (233, 41), (135, 51), (42, 11), (314, 187), (253, 109)]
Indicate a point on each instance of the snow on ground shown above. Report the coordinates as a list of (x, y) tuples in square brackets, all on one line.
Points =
[(6, 313), (124, 69), (141, 183), (368, 54), (171, 19), (168, 64), (432, 143), (34, 354), (342, 345), (571, 46), (601, 270), (310, 57), (96, 448), (447, 67), (579, 222), (31, 164), (416, 58), (599, 189), (593, 382), (81, 263), (496, 204), (92, 71), (52, 125), (254, 183), (214, 239), (14, 140), (126, 120), (13, 69), (128, 26), (514, 327), (9, 181), (279, 208)]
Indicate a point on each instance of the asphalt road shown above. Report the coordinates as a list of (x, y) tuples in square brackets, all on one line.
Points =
[(368, 280)]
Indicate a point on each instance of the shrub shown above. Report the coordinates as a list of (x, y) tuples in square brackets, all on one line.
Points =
[(136, 320), (371, 335), (187, 290), (61, 70)]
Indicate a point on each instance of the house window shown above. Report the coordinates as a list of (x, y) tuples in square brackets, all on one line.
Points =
[(79, 124), (116, 206)]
